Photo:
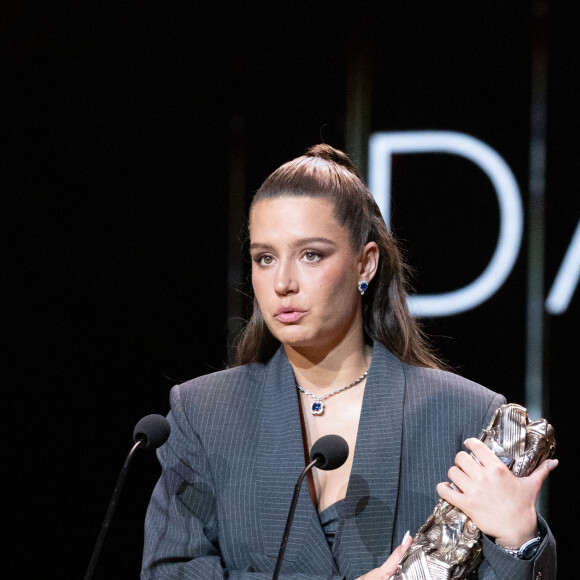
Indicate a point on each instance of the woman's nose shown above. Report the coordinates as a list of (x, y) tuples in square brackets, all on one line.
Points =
[(286, 282)]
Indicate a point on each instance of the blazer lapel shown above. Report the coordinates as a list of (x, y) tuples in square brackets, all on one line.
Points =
[(280, 456), (365, 536)]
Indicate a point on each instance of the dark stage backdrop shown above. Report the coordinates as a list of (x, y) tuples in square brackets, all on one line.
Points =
[(127, 129)]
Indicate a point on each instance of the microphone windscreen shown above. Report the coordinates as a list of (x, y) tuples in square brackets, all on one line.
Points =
[(152, 430), (330, 452)]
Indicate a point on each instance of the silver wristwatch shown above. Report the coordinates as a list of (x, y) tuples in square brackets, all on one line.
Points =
[(526, 551)]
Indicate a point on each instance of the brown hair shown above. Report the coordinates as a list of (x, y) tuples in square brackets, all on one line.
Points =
[(325, 172)]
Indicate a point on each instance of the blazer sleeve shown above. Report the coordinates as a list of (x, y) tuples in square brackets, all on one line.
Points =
[(181, 526), (498, 565)]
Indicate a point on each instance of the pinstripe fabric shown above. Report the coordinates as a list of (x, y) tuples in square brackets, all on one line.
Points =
[(235, 451)]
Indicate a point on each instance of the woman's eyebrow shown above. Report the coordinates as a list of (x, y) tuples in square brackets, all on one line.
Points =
[(260, 246), (299, 242), (306, 241)]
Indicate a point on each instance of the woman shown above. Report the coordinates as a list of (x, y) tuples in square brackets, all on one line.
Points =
[(330, 348)]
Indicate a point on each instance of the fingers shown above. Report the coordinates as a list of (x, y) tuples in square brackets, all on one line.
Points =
[(482, 452), (471, 466), (487, 458), (543, 470), (467, 462), (459, 478), (400, 550), (406, 542), (390, 566), (449, 494)]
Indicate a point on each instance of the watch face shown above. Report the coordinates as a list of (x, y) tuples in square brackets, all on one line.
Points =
[(529, 550)]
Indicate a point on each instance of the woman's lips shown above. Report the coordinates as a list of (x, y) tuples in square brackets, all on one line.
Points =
[(289, 314)]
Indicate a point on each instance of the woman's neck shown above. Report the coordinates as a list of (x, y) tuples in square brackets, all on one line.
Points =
[(321, 370)]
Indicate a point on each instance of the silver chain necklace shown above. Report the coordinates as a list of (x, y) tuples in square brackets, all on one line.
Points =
[(317, 407)]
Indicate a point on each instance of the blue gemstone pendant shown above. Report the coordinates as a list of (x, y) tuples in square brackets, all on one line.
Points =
[(317, 408)]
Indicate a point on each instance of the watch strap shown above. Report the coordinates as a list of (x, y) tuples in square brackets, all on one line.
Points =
[(526, 551)]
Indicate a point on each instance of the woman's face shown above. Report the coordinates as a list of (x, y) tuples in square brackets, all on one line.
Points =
[(305, 272)]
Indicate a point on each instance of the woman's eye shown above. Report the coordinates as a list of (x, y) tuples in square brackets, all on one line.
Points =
[(311, 256), (264, 260)]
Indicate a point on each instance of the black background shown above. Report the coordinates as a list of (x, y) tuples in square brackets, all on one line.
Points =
[(119, 123)]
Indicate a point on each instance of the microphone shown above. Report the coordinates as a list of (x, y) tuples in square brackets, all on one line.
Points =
[(150, 432), (327, 453)]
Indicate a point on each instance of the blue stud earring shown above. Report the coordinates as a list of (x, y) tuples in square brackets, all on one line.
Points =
[(362, 286)]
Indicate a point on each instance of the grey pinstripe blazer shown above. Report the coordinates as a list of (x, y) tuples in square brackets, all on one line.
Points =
[(235, 451)]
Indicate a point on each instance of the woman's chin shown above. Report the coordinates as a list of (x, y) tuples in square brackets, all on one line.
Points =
[(295, 342), (294, 337)]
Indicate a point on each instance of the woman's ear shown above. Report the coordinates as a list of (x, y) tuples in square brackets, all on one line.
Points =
[(369, 261)]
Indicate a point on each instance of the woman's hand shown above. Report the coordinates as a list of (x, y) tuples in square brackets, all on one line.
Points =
[(385, 571), (500, 504)]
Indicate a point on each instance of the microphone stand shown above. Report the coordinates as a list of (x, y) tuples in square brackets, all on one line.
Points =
[(290, 518), (111, 511)]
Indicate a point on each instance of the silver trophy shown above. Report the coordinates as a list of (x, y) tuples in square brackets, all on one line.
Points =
[(448, 545)]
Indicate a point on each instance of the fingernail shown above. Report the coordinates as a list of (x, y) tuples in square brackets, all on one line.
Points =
[(553, 464), (405, 537), (465, 442)]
